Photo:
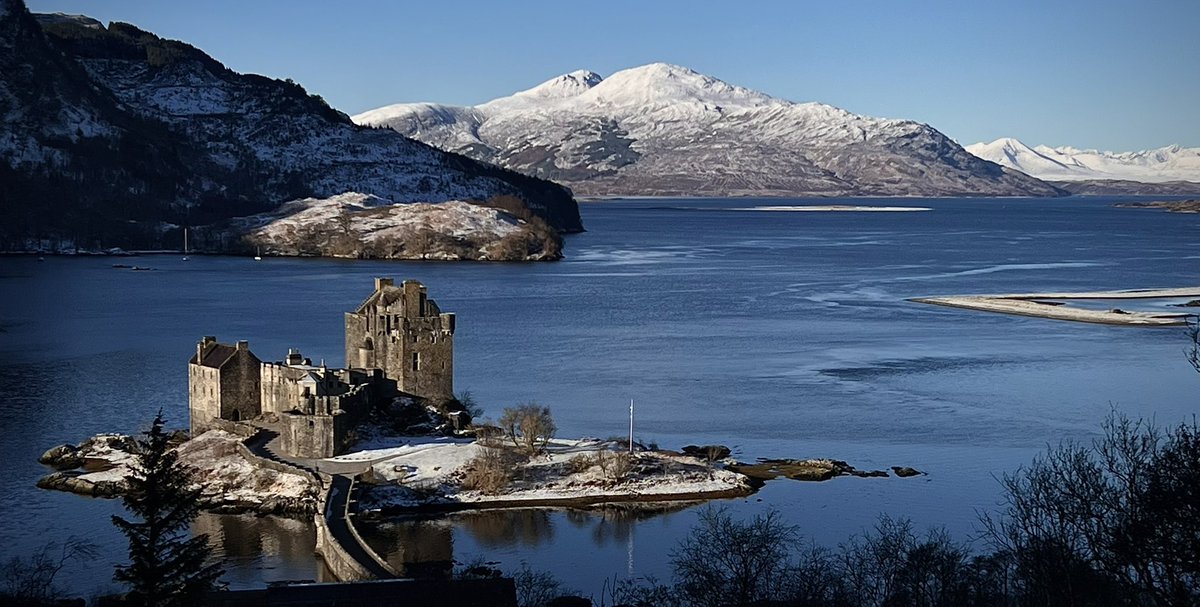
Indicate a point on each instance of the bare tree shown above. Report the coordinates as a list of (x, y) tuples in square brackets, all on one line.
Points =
[(726, 562), (32, 578), (528, 426), (1193, 351), (1103, 523)]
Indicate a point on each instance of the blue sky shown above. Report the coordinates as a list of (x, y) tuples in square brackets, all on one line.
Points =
[(1099, 74)]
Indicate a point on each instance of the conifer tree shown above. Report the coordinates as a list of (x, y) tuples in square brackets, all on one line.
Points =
[(166, 568)]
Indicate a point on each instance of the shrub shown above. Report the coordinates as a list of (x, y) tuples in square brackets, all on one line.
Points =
[(616, 466), (490, 472), (528, 426)]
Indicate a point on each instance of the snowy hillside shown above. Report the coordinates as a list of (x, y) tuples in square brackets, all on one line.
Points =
[(110, 132), (360, 225), (1171, 163), (666, 129)]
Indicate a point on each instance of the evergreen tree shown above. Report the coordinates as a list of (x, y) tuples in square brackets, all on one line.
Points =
[(166, 568)]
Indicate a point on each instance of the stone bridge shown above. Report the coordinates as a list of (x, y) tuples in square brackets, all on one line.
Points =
[(348, 557)]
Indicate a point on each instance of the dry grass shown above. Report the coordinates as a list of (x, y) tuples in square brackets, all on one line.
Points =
[(490, 472)]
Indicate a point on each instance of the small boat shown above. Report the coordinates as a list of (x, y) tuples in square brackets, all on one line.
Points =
[(185, 244), (258, 254)]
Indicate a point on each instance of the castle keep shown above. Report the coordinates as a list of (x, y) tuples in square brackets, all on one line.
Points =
[(398, 343)]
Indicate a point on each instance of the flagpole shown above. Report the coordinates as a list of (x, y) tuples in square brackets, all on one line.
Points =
[(631, 426)]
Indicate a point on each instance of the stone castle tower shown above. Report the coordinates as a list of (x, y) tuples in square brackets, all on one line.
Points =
[(402, 332)]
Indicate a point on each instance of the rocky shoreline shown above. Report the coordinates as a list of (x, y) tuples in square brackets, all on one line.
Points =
[(229, 483), (437, 475)]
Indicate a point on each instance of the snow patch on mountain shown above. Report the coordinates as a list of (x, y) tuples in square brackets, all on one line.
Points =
[(1170, 163), (667, 129)]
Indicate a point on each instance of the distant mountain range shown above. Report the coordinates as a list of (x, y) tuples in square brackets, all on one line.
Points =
[(112, 136), (663, 129), (1161, 166)]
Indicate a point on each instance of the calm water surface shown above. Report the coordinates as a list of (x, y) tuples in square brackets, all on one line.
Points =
[(779, 334)]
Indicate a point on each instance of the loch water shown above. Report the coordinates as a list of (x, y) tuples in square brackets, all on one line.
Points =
[(780, 334)]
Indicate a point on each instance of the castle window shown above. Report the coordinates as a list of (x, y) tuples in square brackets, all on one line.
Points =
[(416, 361)]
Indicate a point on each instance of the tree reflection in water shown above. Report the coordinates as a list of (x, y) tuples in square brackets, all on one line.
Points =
[(423, 546), (259, 549)]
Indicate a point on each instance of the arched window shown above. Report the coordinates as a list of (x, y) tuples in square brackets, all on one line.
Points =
[(237, 416)]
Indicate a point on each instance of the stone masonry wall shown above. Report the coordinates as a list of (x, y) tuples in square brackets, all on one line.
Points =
[(240, 387)]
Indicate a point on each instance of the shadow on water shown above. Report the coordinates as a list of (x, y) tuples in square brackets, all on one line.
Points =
[(425, 546), (261, 549)]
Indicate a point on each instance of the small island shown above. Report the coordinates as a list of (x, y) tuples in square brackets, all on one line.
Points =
[(294, 438), (1171, 206)]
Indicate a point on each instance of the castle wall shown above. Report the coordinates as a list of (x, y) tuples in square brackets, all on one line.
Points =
[(241, 395), (204, 397), (360, 343), (308, 436), (278, 388), (422, 357), (402, 332)]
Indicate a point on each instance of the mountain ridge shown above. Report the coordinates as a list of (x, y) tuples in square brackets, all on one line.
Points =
[(663, 129), (1167, 164), (113, 135)]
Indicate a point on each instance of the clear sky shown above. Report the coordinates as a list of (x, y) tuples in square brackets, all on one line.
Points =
[(1093, 74)]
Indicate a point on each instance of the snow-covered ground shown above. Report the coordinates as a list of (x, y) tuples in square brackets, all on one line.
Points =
[(1171, 163), (356, 225), (427, 471), (227, 480)]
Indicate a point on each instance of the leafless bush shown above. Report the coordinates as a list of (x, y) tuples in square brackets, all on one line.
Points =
[(490, 472), (615, 466), (535, 588), (528, 426), (581, 463)]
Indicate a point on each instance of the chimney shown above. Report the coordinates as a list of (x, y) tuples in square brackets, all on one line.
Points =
[(383, 282), (243, 344), (294, 357), (202, 347)]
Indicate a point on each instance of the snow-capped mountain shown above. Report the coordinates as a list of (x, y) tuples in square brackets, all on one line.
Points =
[(108, 133), (1171, 163), (665, 129)]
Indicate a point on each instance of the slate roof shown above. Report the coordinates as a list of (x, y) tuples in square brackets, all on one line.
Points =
[(216, 356)]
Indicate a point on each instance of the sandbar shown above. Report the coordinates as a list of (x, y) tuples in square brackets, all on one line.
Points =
[(830, 208), (1043, 305)]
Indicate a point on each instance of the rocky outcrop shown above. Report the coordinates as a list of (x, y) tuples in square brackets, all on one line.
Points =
[(228, 481), (666, 130), (114, 136), (804, 470)]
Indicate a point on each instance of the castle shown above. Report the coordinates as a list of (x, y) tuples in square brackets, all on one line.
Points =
[(398, 342)]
